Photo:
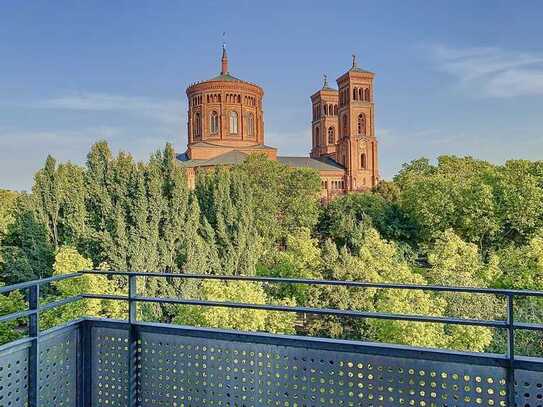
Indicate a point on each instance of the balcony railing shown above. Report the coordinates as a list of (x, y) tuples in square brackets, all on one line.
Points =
[(102, 362)]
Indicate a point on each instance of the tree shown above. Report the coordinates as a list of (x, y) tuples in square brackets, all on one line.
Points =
[(241, 319), (68, 260), (285, 199), (412, 171), (388, 190), (300, 258), (341, 217), (228, 219), (375, 260), (10, 303), (519, 193), (299, 206), (457, 263), (522, 266), (138, 213), (456, 194), (26, 253), (46, 192), (8, 200)]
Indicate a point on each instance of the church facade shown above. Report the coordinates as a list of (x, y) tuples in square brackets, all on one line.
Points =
[(226, 124)]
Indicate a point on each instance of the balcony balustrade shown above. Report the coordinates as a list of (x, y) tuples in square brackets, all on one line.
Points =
[(102, 362)]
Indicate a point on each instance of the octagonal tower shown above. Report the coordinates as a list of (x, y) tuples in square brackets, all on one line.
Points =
[(225, 113)]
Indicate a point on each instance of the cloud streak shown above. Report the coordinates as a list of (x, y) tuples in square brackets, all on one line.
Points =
[(491, 71), (167, 112)]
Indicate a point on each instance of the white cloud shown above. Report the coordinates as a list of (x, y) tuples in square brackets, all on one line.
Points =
[(491, 71), (167, 112), (516, 82)]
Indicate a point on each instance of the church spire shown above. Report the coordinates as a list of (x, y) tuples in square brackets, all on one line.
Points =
[(354, 61), (224, 60), (325, 81)]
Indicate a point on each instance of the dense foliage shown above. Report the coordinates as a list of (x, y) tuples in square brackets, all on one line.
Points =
[(460, 222)]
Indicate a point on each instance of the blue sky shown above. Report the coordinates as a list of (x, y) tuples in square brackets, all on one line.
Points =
[(462, 77)]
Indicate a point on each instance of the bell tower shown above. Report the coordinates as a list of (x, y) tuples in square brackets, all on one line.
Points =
[(324, 125), (357, 144)]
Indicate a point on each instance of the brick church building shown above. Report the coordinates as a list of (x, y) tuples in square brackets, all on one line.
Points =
[(226, 124)]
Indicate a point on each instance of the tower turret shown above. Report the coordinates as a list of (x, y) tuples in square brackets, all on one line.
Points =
[(357, 147), (324, 123)]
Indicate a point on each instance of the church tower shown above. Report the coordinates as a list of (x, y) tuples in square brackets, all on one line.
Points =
[(224, 114), (325, 122), (357, 145)]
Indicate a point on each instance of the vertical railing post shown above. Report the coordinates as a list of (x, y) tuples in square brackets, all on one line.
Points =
[(34, 352), (132, 343), (84, 384), (510, 352)]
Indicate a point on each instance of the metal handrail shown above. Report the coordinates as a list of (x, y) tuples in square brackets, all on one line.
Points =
[(310, 310), (32, 313), (509, 324), (40, 282), (347, 283)]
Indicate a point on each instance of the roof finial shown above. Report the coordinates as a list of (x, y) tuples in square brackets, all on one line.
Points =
[(325, 84), (224, 60), (354, 61)]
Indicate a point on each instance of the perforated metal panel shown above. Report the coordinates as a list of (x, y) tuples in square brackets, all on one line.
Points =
[(14, 376), (109, 367), (179, 367), (529, 388), (58, 369), (185, 371)]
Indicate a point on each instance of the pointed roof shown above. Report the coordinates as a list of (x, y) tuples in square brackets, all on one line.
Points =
[(325, 85), (224, 61), (356, 68), (224, 75)]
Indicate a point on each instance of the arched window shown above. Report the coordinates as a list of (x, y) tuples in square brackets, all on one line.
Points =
[(335, 110), (363, 160), (331, 135), (355, 93), (362, 124), (344, 121), (317, 136), (360, 94), (326, 110), (214, 122), (233, 123), (250, 124), (367, 95), (197, 124)]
